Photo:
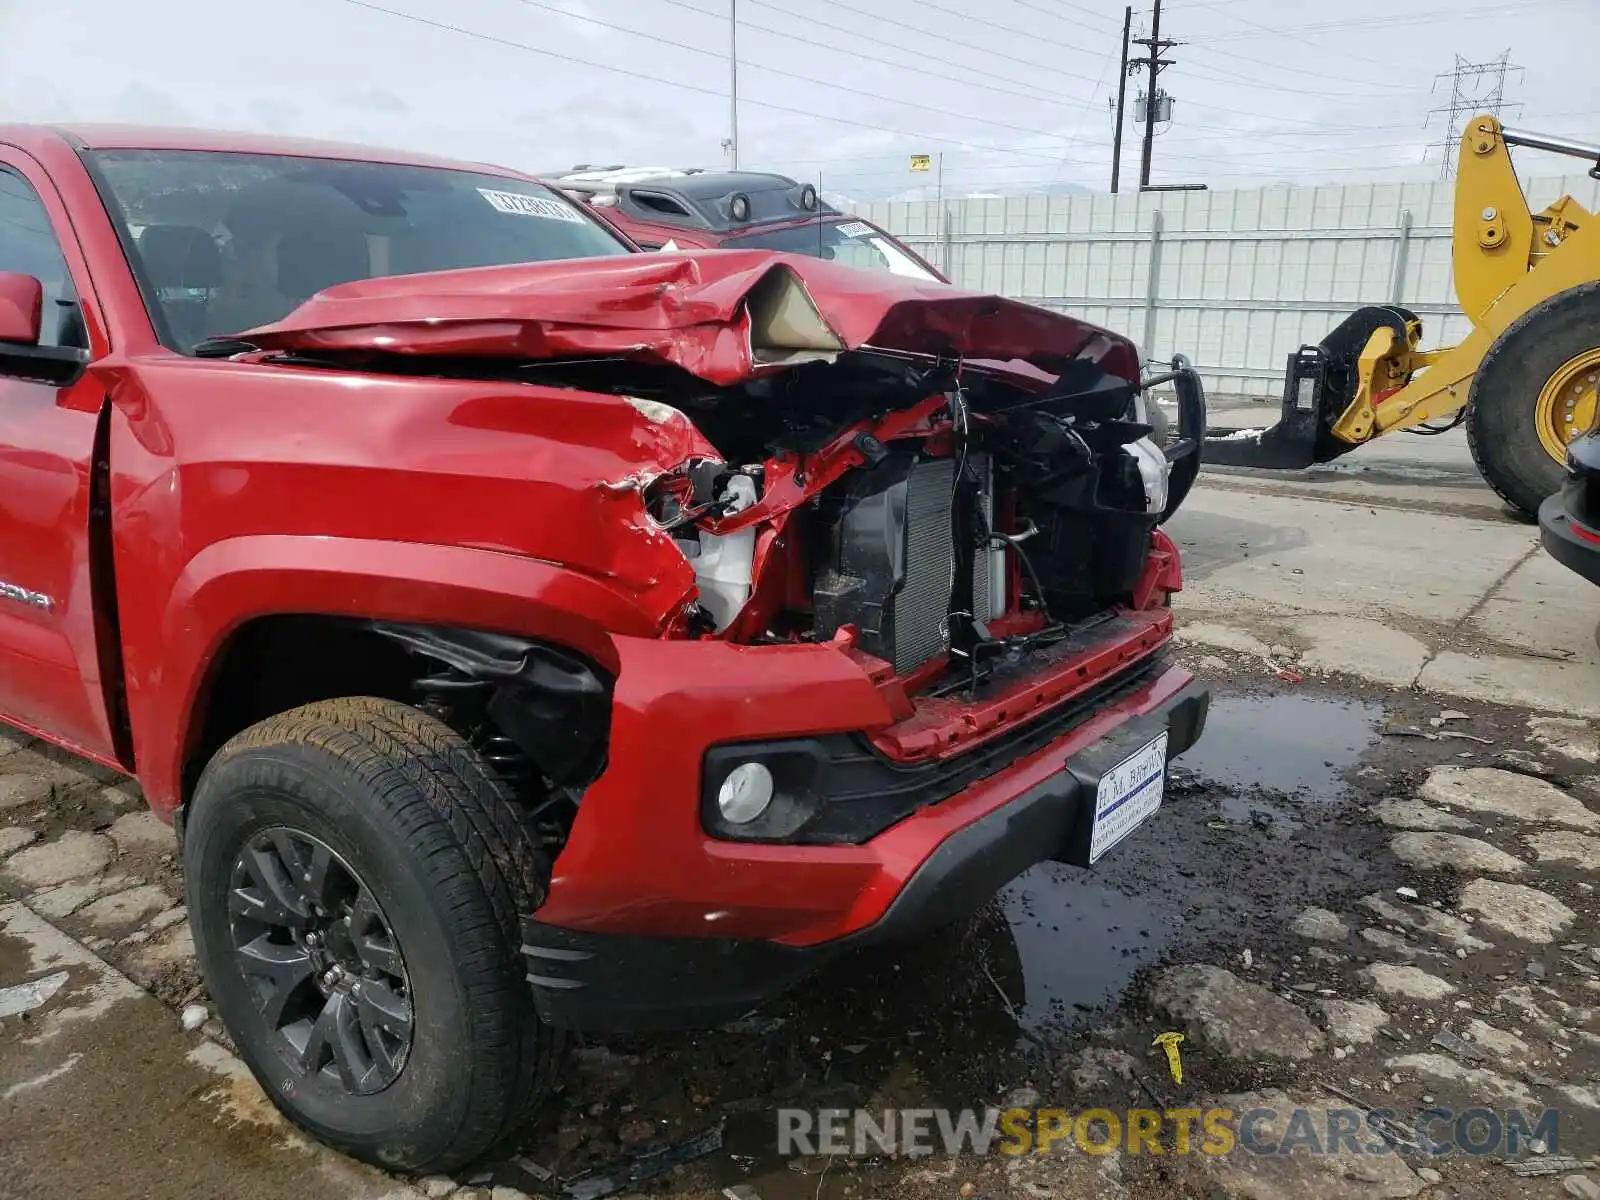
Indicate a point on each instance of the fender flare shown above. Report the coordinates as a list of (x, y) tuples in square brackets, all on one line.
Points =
[(232, 582)]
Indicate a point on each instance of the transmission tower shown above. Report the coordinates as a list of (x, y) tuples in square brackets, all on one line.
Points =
[(1474, 88)]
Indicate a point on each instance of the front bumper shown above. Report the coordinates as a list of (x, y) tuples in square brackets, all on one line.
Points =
[(1569, 521), (1568, 541), (936, 867)]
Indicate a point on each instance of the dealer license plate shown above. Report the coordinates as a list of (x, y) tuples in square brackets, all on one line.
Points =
[(1128, 796)]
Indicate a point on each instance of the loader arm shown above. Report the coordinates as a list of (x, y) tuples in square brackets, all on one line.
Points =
[(1506, 260), (1370, 375)]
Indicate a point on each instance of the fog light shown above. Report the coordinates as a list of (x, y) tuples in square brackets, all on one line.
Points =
[(745, 793)]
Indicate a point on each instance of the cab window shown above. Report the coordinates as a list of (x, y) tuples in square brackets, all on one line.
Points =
[(28, 246)]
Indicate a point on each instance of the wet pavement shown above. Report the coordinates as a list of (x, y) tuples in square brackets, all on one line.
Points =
[(1298, 857)]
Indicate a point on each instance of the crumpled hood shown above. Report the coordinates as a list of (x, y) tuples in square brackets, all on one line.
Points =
[(722, 315)]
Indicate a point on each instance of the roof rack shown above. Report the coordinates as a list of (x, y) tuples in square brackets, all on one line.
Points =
[(692, 196)]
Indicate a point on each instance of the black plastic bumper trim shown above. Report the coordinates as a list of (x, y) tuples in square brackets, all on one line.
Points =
[(1563, 543)]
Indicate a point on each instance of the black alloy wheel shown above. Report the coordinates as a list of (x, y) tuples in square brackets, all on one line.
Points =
[(326, 968)]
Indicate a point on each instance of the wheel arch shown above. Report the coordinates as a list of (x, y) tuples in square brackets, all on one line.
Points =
[(237, 594)]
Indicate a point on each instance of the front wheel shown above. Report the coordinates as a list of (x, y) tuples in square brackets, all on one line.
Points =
[(355, 877), (1534, 392)]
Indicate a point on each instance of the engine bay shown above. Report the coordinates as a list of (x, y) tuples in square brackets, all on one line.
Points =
[(944, 517)]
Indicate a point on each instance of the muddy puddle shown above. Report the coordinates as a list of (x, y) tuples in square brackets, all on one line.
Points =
[(1264, 762), (1280, 751)]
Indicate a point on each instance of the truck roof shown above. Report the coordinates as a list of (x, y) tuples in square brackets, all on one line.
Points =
[(33, 138)]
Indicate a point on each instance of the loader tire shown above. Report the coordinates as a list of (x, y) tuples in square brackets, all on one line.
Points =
[(368, 840), (1502, 428)]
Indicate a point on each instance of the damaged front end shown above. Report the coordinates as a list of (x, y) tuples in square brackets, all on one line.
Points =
[(957, 492)]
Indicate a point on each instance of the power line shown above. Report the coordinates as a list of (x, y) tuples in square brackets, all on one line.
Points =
[(1300, 71), (835, 86), (1031, 36), (1294, 36), (1037, 96), (1234, 79), (719, 94), (1054, 12), (1388, 22)]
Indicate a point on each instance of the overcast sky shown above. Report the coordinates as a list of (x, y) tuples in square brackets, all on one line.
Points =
[(1014, 93)]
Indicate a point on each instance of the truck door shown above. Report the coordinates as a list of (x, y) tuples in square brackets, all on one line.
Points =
[(49, 662)]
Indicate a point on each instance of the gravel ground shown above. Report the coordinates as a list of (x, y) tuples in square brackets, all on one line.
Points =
[(1355, 897)]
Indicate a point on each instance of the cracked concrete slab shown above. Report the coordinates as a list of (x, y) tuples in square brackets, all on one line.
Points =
[(1519, 682), (1364, 648), (1319, 925), (1566, 845), (1570, 736), (1332, 1173), (1477, 1081), (1507, 794), (1237, 1018), (1430, 921), (1434, 851), (1523, 912), (19, 790), (1414, 814), (1507, 1047), (137, 831), (1541, 607), (1352, 1021), (14, 838), (107, 1057), (1389, 943), (1313, 558), (1412, 983), (122, 911), (71, 856), (1222, 637)]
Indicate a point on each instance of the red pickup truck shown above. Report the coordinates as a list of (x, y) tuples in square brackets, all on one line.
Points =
[(528, 634)]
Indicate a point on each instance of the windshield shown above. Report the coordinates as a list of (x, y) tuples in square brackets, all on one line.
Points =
[(222, 243), (853, 243)]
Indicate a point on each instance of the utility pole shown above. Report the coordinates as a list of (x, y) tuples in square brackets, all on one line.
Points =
[(1122, 99), (1474, 88), (733, 82), (1153, 65)]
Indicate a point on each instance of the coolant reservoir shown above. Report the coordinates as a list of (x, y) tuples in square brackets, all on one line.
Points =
[(722, 566)]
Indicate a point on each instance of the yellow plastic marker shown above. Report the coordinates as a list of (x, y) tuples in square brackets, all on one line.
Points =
[(1169, 1043)]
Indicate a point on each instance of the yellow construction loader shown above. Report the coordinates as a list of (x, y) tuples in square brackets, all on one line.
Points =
[(1524, 381)]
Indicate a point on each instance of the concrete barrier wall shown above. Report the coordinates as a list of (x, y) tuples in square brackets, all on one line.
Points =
[(1234, 279)]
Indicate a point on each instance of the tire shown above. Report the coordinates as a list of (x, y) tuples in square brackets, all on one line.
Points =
[(407, 814), (1501, 427)]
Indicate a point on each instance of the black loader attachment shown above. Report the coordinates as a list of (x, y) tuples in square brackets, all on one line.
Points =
[(1320, 384)]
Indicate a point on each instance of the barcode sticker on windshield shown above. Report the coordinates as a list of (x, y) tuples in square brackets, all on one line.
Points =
[(520, 205), (856, 229)]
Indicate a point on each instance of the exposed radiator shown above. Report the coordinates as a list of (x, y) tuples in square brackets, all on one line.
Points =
[(916, 616), (887, 563)]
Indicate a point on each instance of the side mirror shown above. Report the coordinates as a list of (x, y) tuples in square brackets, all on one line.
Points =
[(21, 323), (21, 308)]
